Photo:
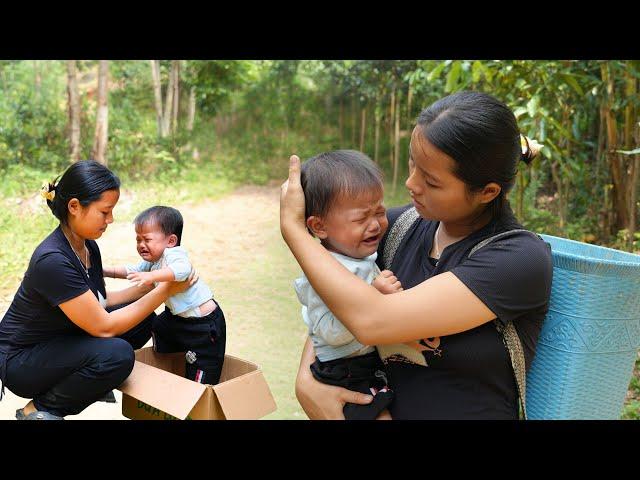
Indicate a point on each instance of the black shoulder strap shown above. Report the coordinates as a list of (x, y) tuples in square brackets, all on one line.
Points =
[(498, 236), (396, 234)]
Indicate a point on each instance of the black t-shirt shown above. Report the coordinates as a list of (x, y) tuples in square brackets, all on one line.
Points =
[(469, 374), (54, 276)]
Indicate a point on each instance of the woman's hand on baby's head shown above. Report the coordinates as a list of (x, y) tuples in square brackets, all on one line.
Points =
[(292, 198), (387, 282)]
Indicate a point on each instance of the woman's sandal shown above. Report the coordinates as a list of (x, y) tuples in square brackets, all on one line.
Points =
[(37, 415)]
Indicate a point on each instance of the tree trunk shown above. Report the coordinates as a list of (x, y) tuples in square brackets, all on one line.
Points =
[(520, 196), (524, 178), (175, 70), (633, 200), (168, 104), (620, 201), (157, 94), (354, 121), (377, 115), (409, 98), (396, 143), (607, 208), (328, 100), (363, 120), (630, 128), (561, 197), (102, 114), (392, 106), (560, 178), (341, 123), (74, 111), (599, 160), (192, 109)]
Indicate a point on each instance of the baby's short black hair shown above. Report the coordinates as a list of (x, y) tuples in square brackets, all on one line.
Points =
[(168, 219), (341, 172)]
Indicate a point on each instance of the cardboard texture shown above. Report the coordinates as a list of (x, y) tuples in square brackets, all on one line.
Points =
[(157, 390)]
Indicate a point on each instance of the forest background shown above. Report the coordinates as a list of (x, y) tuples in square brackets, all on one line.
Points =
[(187, 132)]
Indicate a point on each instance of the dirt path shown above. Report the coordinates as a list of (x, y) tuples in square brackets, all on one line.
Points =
[(223, 237), (228, 231)]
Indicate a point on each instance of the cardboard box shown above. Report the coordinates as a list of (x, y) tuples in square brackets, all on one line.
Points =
[(157, 390)]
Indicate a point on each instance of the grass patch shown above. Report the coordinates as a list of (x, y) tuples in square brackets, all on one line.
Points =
[(271, 332), (631, 409)]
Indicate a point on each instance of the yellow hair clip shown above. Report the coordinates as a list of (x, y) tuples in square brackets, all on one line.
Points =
[(524, 144), (531, 144), (46, 193)]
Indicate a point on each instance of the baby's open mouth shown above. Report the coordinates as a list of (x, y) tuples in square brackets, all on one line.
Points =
[(372, 239)]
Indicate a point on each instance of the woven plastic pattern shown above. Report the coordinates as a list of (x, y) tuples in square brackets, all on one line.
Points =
[(588, 343)]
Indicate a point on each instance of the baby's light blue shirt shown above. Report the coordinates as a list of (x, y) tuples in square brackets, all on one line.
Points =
[(177, 259), (331, 339)]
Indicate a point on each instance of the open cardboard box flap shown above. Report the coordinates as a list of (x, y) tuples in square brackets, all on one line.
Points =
[(243, 392), (163, 390), (157, 380)]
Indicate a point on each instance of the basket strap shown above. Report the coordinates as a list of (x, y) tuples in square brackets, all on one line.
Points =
[(496, 237), (396, 234), (510, 336), (516, 355)]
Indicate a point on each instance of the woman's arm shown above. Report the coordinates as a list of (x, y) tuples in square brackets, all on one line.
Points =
[(318, 400), (127, 295), (114, 272), (442, 305), (88, 314), (149, 278)]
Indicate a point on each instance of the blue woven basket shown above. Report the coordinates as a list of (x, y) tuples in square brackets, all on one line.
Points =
[(588, 343)]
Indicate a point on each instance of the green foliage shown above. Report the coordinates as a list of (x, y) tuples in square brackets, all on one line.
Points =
[(132, 144), (33, 117), (251, 115), (21, 230), (216, 81), (399, 198), (19, 181), (631, 410), (621, 241)]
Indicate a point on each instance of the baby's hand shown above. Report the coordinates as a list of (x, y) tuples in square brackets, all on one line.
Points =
[(387, 282), (141, 278)]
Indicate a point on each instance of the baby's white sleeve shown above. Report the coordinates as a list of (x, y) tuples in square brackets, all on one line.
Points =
[(320, 320), (143, 266), (324, 324), (178, 262)]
